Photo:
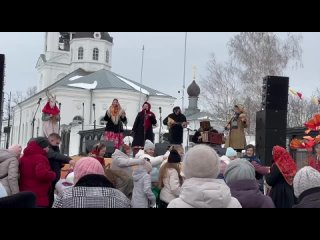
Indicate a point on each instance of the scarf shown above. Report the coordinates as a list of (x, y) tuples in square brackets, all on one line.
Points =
[(285, 163), (115, 113), (48, 110)]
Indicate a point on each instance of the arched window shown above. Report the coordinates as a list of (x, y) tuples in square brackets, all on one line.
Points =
[(80, 53), (95, 54), (77, 120), (107, 56)]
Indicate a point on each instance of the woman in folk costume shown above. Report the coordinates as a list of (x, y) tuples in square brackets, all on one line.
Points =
[(142, 127), (281, 177), (236, 126), (115, 117), (50, 116)]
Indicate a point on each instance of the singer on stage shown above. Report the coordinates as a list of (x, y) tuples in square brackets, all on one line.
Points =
[(50, 116), (115, 117), (235, 127), (176, 121), (142, 127)]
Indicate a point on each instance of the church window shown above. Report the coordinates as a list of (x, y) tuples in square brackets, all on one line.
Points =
[(95, 54), (80, 53), (77, 120)]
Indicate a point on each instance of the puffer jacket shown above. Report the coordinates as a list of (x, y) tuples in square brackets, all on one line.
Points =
[(9, 172), (204, 193), (121, 161)]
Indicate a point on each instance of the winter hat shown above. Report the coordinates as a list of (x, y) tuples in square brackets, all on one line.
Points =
[(42, 142), (231, 152), (149, 145), (239, 169), (306, 178), (85, 166), (201, 161), (15, 149), (174, 157)]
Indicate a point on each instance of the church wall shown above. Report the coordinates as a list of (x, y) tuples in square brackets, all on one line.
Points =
[(87, 63)]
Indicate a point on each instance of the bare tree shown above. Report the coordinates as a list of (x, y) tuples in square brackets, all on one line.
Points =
[(258, 54), (31, 91), (300, 111), (220, 90), (253, 55)]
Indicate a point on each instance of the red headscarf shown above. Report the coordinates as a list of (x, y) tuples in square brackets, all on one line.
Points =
[(285, 163), (48, 110), (147, 122)]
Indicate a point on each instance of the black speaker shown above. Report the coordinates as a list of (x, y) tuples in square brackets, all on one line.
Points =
[(161, 148), (275, 93), (270, 138), (265, 155), (271, 119)]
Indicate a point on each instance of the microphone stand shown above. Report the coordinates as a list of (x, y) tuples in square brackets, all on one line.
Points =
[(188, 136), (59, 116), (160, 137), (144, 129), (34, 116), (82, 116), (94, 116)]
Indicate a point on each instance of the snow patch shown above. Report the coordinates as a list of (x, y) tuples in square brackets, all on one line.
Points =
[(74, 78), (85, 85), (136, 87)]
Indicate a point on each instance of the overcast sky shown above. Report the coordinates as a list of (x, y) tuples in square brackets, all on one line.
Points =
[(163, 58)]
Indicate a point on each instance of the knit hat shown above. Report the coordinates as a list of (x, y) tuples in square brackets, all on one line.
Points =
[(85, 166), (231, 152), (149, 145), (42, 142), (15, 149), (174, 157), (239, 169), (201, 161), (306, 178)]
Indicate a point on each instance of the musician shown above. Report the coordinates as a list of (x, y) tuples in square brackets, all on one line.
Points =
[(205, 126), (115, 117), (236, 126), (142, 127), (176, 121), (50, 116)]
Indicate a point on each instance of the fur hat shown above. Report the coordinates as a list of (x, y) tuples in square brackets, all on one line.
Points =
[(85, 166), (149, 145), (306, 178), (231, 152), (201, 161), (239, 169), (42, 142), (174, 157)]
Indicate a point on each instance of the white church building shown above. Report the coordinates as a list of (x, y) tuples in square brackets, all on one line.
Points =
[(76, 67)]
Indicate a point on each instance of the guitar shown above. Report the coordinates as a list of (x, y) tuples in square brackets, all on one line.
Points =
[(172, 123)]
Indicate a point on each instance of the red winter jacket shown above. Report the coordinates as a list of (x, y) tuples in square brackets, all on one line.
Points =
[(35, 173)]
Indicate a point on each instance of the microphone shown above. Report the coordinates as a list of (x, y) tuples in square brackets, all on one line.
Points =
[(160, 109), (94, 105), (39, 100)]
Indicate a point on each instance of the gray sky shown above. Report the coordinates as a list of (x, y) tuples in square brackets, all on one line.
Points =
[(163, 59)]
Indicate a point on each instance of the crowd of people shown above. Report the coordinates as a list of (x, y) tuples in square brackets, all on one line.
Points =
[(206, 176)]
